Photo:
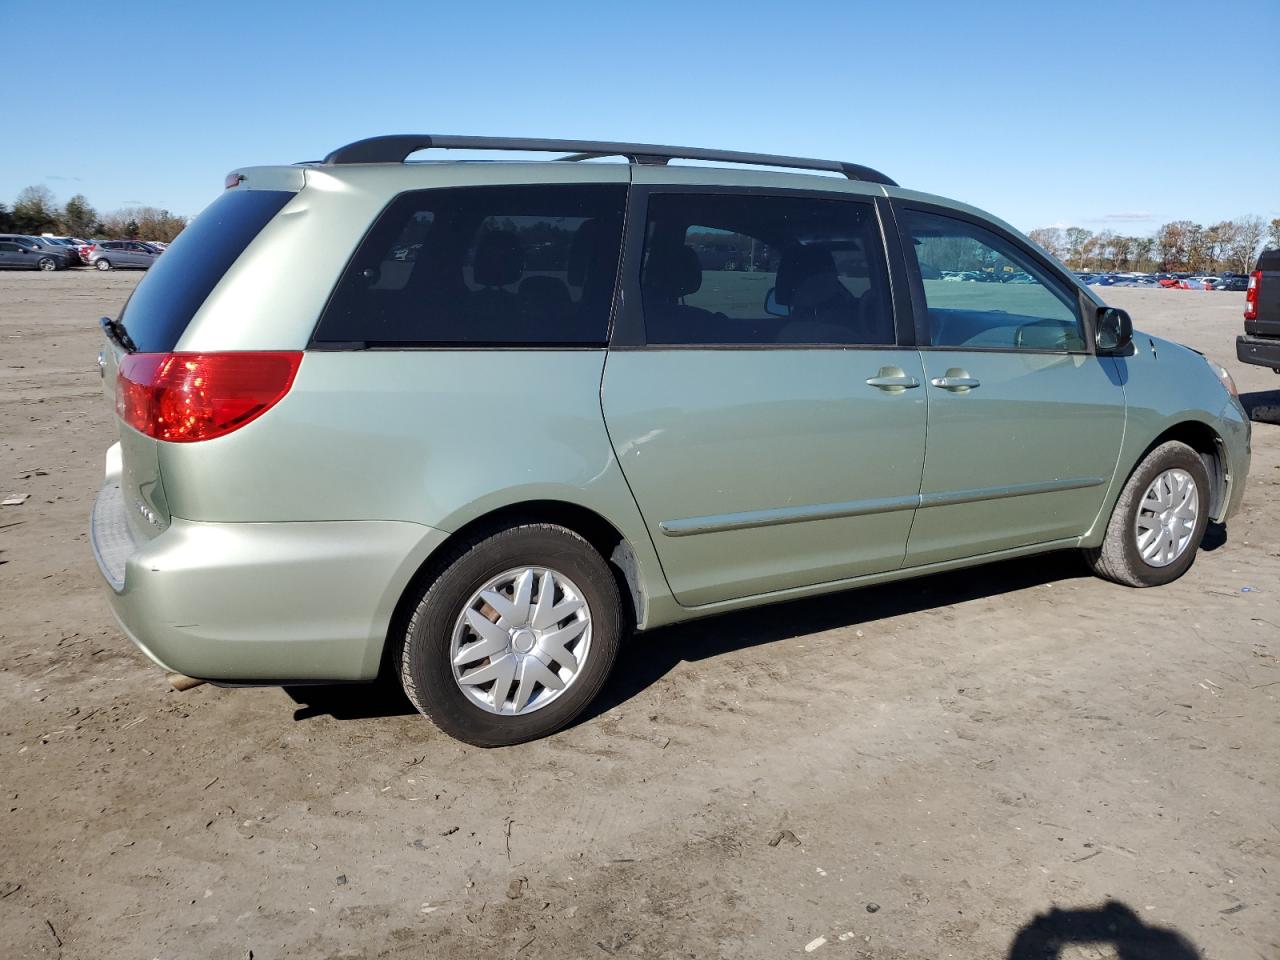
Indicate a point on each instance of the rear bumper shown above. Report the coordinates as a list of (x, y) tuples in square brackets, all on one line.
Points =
[(258, 602), (1263, 351)]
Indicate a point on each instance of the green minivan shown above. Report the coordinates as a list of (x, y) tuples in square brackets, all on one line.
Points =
[(472, 422)]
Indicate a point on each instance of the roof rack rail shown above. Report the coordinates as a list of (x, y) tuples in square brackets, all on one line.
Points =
[(395, 148)]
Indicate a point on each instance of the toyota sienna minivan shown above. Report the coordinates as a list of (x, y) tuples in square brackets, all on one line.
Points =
[(472, 423)]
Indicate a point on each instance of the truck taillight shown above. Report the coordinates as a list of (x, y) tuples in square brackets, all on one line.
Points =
[(186, 397), (1251, 296)]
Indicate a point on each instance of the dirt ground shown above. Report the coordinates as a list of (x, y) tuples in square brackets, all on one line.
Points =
[(977, 765)]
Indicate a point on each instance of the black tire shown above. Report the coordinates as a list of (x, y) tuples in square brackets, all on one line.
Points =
[(424, 662), (1118, 559), (103, 264), (47, 264)]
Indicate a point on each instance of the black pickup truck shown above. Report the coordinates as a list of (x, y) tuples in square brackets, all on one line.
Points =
[(1261, 341)]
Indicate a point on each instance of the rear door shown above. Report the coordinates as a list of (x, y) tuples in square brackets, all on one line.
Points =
[(766, 412), (9, 254), (1025, 421)]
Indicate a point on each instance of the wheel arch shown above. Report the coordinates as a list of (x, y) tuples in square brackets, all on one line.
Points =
[(1208, 443), (603, 535)]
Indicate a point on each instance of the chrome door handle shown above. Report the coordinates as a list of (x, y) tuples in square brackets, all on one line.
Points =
[(902, 382), (956, 384)]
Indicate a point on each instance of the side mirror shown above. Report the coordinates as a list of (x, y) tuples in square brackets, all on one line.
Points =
[(773, 307), (1113, 330)]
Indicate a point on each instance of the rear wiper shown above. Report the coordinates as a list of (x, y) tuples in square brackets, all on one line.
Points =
[(118, 334)]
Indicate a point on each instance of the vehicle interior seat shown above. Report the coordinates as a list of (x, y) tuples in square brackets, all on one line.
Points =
[(498, 263), (671, 273), (545, 301), (823, 310)]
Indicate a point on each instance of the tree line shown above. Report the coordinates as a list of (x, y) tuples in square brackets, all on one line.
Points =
[(1181, 246), (37, 211)]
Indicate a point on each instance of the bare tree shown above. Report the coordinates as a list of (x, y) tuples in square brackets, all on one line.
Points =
[(1197, 248), (146, 223), (1243, 252), (1216, 238), (1121, 249), (1142, 247), (1077, 239), (1052, 239), (1173, 240), (1273, 233)]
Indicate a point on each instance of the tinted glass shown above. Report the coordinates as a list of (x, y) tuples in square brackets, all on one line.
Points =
[(484, 266), (743, 269), (983, 291), (177, 284)]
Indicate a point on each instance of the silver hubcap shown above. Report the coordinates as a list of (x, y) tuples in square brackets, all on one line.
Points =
[(48, 265), (521, 641), (1167, 517)]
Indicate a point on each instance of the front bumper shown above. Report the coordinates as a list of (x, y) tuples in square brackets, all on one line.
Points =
[(1263, 351), (258, 602), (1236, 431)]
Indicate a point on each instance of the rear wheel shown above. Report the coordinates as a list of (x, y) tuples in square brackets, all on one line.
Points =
[(515, 636), (47, 264), (1158, 521), (103, 264)]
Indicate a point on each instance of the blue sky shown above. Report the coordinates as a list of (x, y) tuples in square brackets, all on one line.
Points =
[(1110, 115)]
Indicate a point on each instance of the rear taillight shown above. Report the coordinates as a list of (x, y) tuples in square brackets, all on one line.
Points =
[(1251, 296), (185, 397)]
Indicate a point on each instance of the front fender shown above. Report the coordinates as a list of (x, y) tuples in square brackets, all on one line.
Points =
[(1170, 390)]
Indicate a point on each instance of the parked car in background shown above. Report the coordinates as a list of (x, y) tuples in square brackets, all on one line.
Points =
[(65, 256), (78, 247), (81, 247), (1261, 341), (16, 255), (123, 254)]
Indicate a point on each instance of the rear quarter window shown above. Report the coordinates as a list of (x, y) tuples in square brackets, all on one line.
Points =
[(179, 281), (529, 265)]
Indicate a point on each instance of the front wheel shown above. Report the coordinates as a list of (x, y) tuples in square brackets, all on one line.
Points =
[(103, 264), (47, 264), (1158, 521), (515, 636)]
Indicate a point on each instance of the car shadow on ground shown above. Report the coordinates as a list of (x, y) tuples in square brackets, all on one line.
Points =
[(1114, 924), (1215, 536), (647, 658), (351, 701), (1263, 406)]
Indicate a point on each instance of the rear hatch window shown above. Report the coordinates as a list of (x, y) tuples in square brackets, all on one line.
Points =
[(180, 280)]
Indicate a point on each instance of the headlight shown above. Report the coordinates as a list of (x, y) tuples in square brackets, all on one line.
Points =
[(1220, 372)]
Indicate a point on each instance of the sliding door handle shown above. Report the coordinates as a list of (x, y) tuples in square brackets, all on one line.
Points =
[(892, 380), (957, 381), (889, 383)]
